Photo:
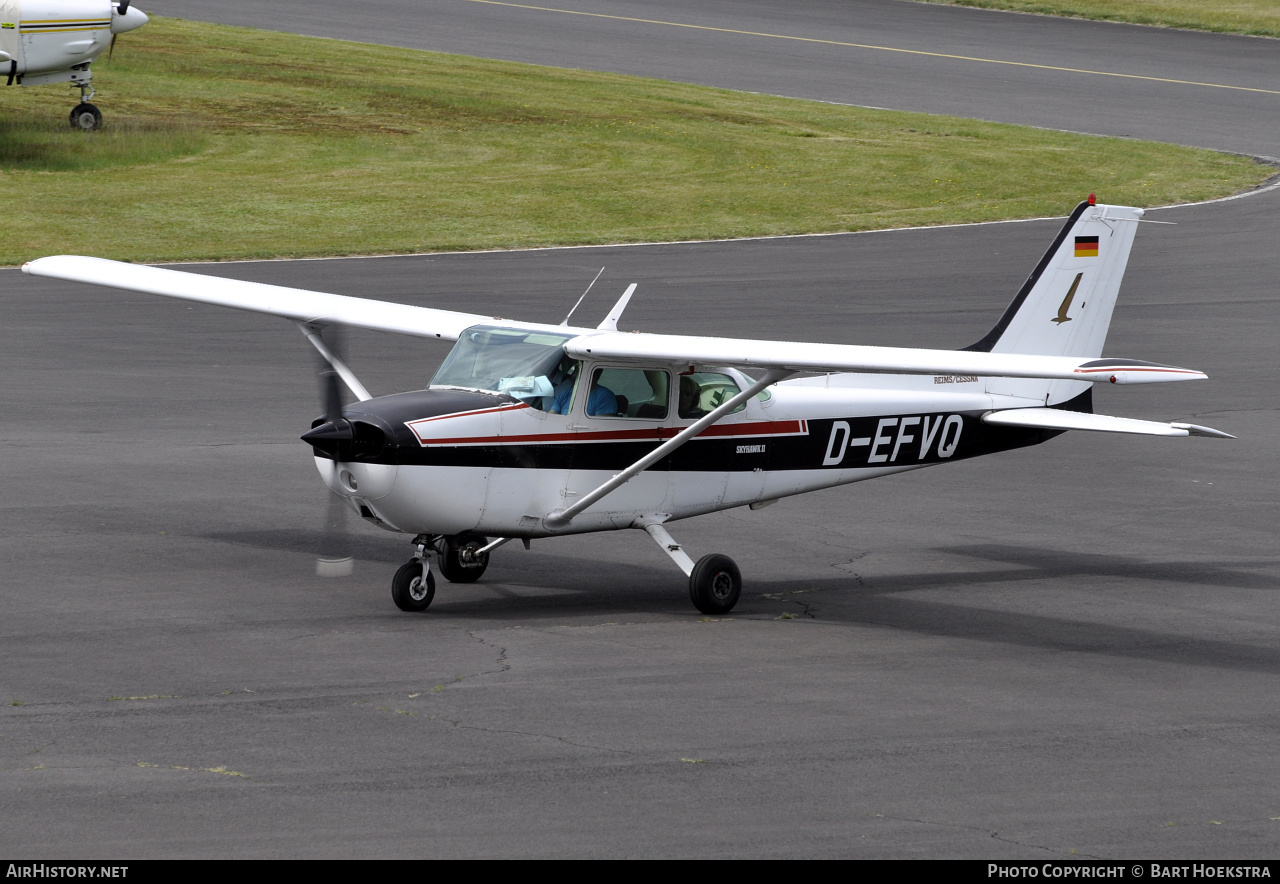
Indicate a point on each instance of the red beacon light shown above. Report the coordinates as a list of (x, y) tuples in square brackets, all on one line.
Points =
[(1093, 199)]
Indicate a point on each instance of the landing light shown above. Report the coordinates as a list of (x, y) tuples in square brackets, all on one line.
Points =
[(348, 481)]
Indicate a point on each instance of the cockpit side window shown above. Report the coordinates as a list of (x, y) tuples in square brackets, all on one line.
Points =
[(628, 392)]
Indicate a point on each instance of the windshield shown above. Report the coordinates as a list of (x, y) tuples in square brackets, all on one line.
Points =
[(522, 364)]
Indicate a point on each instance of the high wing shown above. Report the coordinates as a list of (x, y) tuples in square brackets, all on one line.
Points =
[(794, 356), (319, 309), (300, 305)]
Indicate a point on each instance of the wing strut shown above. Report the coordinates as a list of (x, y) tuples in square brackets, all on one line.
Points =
[(560, 518), (312, 333)]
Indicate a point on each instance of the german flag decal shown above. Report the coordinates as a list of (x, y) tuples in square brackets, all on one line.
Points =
[(1086, 247)]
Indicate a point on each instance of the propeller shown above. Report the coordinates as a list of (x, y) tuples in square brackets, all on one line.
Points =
[(335, 559)]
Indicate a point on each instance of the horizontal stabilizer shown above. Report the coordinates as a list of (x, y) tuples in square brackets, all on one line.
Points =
[(1056, 419)]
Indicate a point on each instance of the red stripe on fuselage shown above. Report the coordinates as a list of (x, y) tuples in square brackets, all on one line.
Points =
[(646, 434), (441, 417)]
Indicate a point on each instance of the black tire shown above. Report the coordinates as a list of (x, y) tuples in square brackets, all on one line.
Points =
[(407, 586), (454, 569), (715, 584), (86, 117)]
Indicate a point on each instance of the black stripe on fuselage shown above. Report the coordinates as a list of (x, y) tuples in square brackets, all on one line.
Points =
[(53, 27), (831, 444), (897, 440)]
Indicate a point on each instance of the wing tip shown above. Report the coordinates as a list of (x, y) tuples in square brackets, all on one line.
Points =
[(1134, 371), (1197, 430)]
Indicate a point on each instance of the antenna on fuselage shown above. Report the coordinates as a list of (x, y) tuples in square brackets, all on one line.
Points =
[(584, 294)]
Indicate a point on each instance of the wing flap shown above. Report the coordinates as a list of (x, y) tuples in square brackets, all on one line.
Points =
[(1056, 419), (300, 305), (796, 356)]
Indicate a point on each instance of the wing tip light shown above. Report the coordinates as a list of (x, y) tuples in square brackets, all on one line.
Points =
[(1134, 371)]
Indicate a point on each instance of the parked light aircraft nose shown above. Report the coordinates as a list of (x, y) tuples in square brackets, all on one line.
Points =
[(126, 18), (55, 41)]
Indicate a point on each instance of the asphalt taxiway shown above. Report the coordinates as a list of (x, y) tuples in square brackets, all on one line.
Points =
[(1064, 651)]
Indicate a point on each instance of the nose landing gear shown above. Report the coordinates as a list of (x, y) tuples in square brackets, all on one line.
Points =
[(85, 116), (414, 586), (463, 558)]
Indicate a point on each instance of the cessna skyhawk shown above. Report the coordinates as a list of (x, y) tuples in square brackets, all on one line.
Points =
[(55, 41), (530, 430)]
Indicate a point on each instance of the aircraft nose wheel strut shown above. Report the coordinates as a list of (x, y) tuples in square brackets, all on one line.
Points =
[(715, 583), (462, 559), (85, 116), (414, 586)]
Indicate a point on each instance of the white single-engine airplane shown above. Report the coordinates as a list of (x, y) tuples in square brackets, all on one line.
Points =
[(530, 430), (55, 41)]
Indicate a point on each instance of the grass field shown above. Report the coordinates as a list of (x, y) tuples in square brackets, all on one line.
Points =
[(1259, 18), (232, 143)]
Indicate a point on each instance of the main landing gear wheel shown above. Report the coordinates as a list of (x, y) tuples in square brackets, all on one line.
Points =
[(86, 117), (459, 563), (715, 584), (414, 586)]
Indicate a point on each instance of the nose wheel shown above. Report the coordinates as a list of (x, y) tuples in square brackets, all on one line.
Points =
[(86, 117), (414, 586)]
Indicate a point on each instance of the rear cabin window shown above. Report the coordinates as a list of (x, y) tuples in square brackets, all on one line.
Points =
[(628, 392), (703, 391)]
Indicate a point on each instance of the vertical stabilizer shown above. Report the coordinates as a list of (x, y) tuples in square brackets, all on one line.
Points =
[(1064, 307)]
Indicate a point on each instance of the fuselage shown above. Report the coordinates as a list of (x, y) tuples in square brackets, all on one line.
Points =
[(450, 461)]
